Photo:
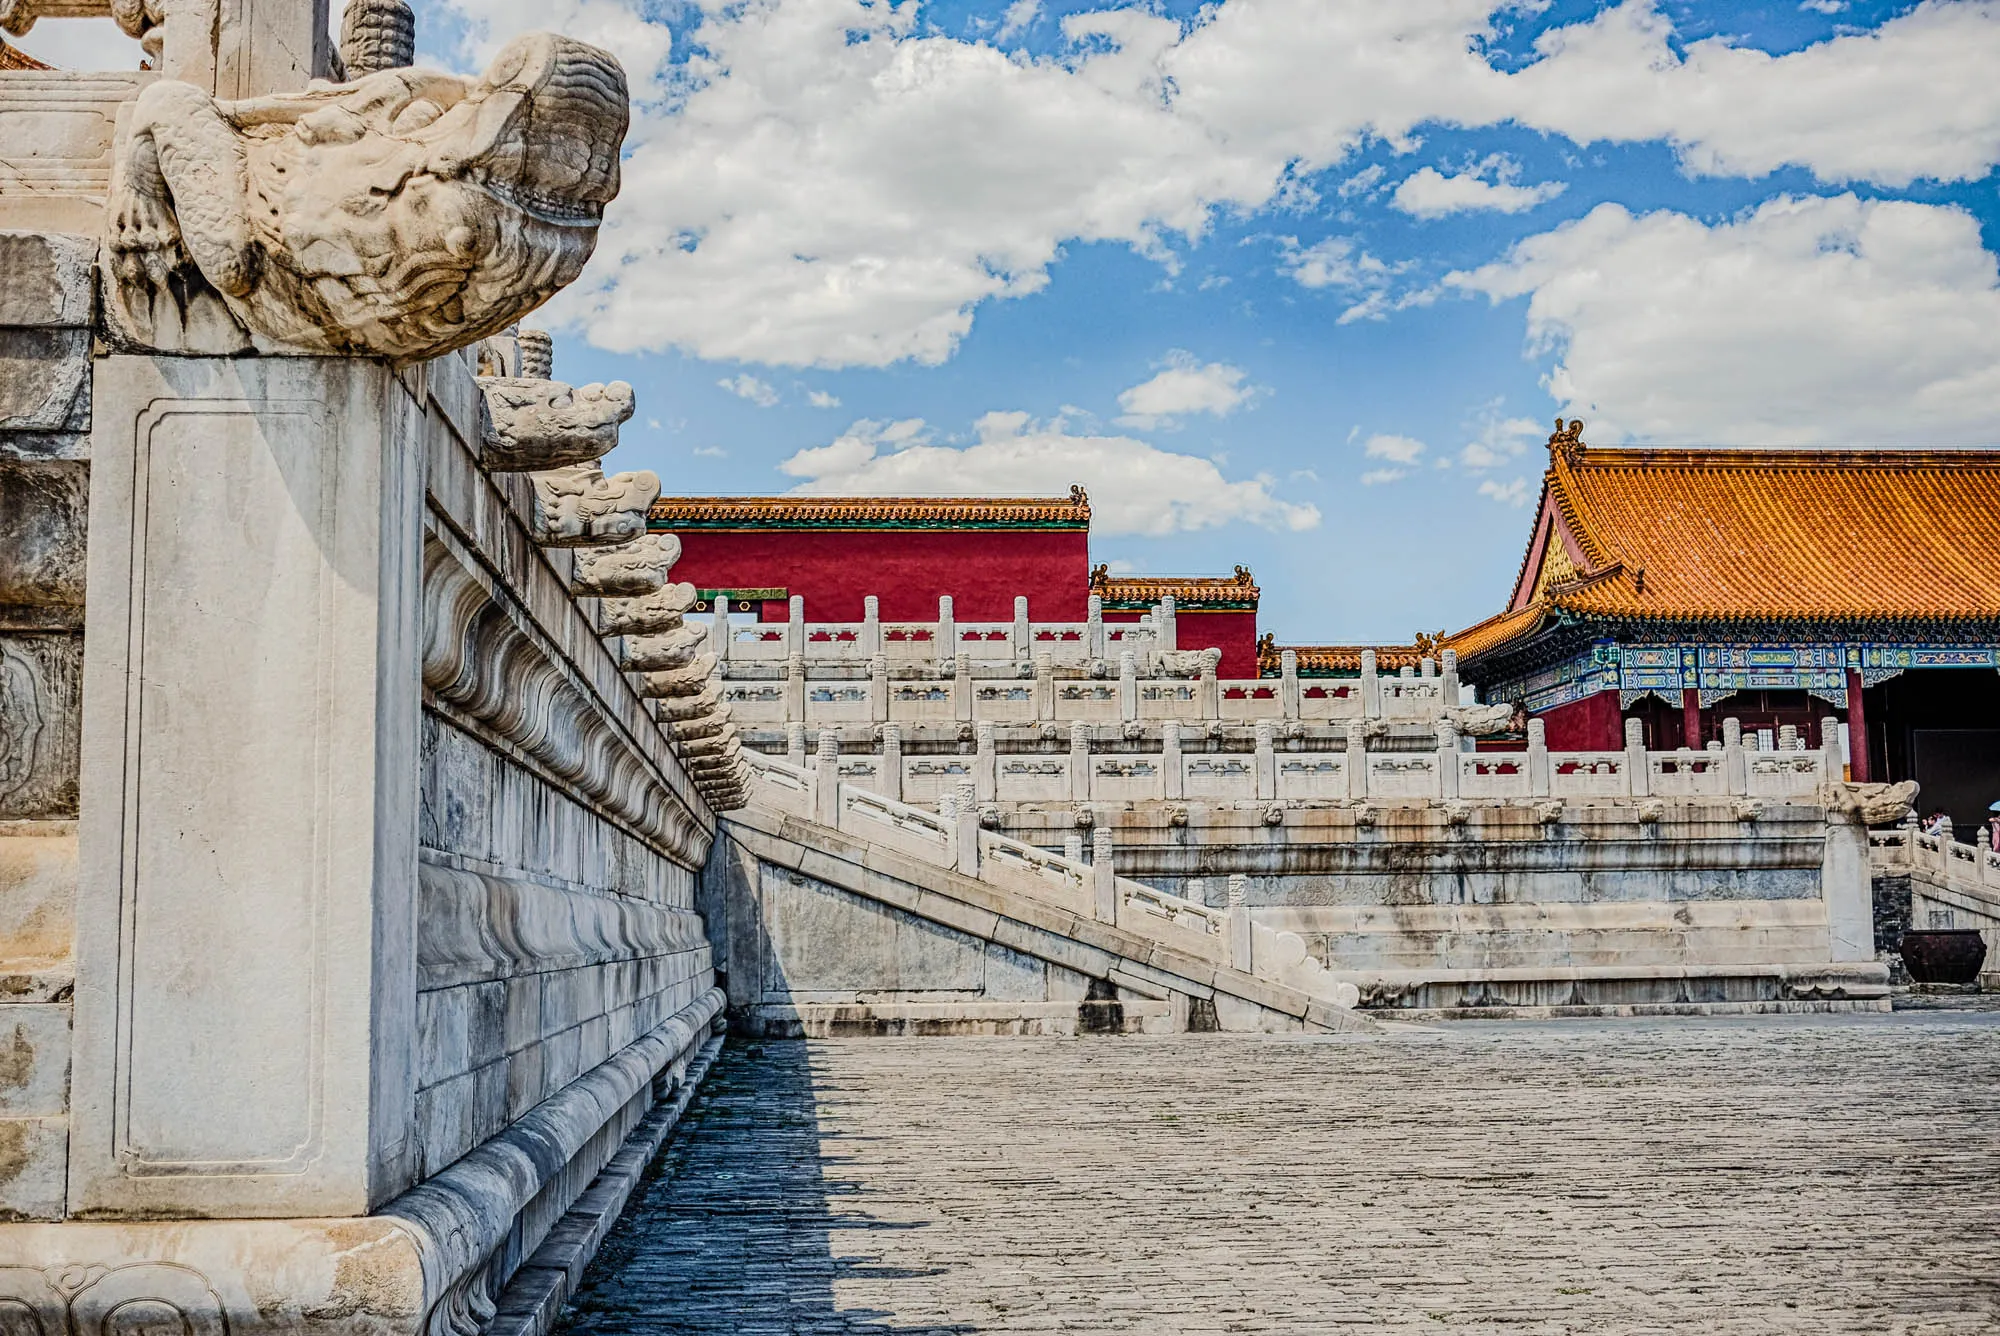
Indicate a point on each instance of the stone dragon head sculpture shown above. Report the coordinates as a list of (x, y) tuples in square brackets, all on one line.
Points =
[(402, 215)]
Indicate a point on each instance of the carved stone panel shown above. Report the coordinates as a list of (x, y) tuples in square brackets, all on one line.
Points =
[(41, 686)]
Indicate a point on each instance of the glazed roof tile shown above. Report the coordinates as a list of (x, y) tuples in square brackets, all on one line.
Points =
[(14, 58), (1692, 535), (872, 512), (1238, 591)]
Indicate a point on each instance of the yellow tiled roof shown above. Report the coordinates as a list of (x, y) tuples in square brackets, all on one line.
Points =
[(868, 512), (1760, 535), (1319, 660), (14, 58), (1188, 591)]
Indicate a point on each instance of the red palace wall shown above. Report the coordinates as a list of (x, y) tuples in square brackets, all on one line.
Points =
[(1234, 633), (1590, 724), (907, 569)]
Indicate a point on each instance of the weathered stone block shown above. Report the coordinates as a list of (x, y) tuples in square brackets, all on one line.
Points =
[(34, 1060), (33, 1166), (44, 379), (44, 510), (37, 900), (45, 279), (41, 707)]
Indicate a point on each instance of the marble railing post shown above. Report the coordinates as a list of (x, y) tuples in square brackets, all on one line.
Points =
[(1638, 768), (1267, 760), (718, 630), (985, 766), (1073, 846), (871, 625), (826, 779), (795, 743), (1357, 759), (1172, 773), (1128, 685), (1024, 642), (1166, 624), (947, 630), (1045, 687), (1094, 627), (966, 793), (961, 688), (1734, 768), (1829, 750), (795, 625), (1447, 752), (1208, 692), (795, 687), (1103, 876), (1371, 687), (878, 688), (1428, 667), (1450, 675), (1538, 758), (892, 762), (1079, 761), (1240, 928), (1288, 683)]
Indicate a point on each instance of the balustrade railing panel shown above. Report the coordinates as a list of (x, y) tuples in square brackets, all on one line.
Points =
[(1127, 778), (1228, 776), (1792, 774), (1027, 779), (1589, 775), (1087, 701), (1310, 775), (1688, 774), (1493, 775), (1402, 775), (928, 778)]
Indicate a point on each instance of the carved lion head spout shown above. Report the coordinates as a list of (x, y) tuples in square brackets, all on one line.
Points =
[(402, 215)]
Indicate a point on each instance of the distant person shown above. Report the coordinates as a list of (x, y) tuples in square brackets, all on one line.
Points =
[(1938, 826)]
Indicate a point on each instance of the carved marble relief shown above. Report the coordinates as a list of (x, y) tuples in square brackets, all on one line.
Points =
[(403, 215), (40, 711)]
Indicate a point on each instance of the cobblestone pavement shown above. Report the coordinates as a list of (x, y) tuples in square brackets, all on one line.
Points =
[(1809, 1174)]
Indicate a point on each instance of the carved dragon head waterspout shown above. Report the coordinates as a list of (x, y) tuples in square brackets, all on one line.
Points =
[(403, 215)]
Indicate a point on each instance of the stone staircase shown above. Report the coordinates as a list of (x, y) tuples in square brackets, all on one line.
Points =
[(1212, 968)]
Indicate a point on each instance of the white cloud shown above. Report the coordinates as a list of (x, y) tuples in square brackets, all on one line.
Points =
[(619, 26), (1019, 16), (1431, 194), (1339, 263), (1135, 488), (1499, 438), (1396, 449), (1809, 321), (710, 452), (833, 182), (1185, 387), (1375, 477), (747, 386), (1513, 493), (821, 399)]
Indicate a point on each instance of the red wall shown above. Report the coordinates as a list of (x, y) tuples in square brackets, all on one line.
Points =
[(1234, 633), (1590, 724), (907, 569)]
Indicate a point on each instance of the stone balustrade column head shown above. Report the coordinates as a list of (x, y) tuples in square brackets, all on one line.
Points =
[(1104, 875), (1408, 672), (1538, 758), (1073, 846), (718, 630), (966, 795), (795, 743), (1240, 929), (1128, 685), (1428, 668), (1288, 683), (1832, 764), (795, 624), (1735, 766), (1166, 624), (1208, 692), (826, 779), (1371, 686), (538, 350), (1172, 772), (1045, 686), (1266, 734), (1094, 627), (1447, 754), (1024, 644), (1448, 670), (961, 688), (947, 629), (878, 688), (377, 35), (871, 625), (1788, 738)]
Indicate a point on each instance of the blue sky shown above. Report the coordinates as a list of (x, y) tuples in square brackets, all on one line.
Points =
[(1292, 283)]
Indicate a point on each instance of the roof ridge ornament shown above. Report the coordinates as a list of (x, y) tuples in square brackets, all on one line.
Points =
[(1567, 440)]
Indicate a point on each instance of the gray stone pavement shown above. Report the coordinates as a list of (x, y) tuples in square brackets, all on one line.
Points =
[(1783, 1174)]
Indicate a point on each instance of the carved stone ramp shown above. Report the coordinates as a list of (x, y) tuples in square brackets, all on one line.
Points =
[(1121, 962)]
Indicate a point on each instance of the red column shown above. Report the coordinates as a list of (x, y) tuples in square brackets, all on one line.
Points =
[(1691, 718), (1857, 730)]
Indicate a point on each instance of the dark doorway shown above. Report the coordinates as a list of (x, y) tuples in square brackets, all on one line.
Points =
[(1941, 727)]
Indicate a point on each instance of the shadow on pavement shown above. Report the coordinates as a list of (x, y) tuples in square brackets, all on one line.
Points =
[(731, 1230)]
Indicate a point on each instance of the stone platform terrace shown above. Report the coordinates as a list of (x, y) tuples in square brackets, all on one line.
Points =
[(1825, 1174)]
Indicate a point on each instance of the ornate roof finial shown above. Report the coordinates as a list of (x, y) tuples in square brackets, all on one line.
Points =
[(1567, 440), (1243, 575), (1100, 574), (1077, 495)]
